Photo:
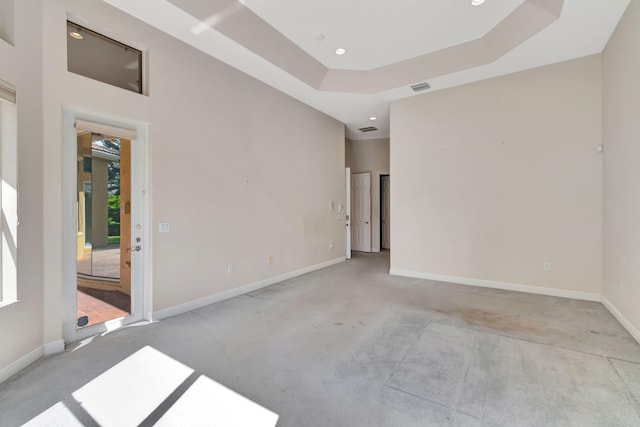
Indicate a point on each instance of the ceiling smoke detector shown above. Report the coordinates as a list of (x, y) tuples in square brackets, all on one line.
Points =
[(420, 86), (368, 129)]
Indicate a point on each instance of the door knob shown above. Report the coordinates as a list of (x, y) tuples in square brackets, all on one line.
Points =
[(137, 248)]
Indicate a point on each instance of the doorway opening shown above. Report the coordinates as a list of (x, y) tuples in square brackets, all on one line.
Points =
[(103, 228), (385, 212), (361, 212), (105, 225), (347, 216)]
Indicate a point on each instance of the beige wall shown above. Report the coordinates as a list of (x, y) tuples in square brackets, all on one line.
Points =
[(347, 153), (621, 137), (21, 324), (492, 179), (254, 182), (370, 155)]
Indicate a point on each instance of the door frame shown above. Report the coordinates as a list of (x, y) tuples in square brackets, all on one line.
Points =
[(141, 295), (369, 174), (347, 214), (381, 195)]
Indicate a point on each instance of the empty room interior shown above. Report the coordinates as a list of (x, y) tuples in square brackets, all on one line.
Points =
[(320, 213)]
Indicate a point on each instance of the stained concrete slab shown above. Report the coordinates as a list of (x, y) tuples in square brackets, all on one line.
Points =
[(344, 346), (516, 382), (630, 374), (576, 325), (435, 366)]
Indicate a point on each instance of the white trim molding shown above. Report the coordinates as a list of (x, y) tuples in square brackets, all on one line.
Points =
[(54, 347), (635, 333), (231, 293), (20, 364), (540, 290), (49, 349)]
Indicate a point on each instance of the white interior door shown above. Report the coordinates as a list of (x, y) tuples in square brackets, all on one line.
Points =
[(385, 216), (361, 212), (347, 213)]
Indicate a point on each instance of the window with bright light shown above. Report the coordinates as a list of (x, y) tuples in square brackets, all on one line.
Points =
[(8, 194)]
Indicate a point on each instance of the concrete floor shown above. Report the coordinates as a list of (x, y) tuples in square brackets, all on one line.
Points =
[(352, 346)]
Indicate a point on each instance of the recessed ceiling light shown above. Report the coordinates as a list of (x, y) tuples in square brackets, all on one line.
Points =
[(476, 2), (76, 35), (341, 51), (372, 118)]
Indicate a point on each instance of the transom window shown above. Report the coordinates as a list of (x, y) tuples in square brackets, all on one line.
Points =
[(101, 58)]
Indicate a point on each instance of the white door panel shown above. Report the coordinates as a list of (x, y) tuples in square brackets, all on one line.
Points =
[(361, 212), (347, 223)]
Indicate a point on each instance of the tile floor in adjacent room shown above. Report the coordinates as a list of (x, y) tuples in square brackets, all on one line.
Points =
[(101, 306), (350, 346)]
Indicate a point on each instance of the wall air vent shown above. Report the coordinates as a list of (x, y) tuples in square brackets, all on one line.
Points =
[(368, 129), (420, 86)]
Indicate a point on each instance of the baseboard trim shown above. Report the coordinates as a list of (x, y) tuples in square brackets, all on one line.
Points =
[(554, 292), (221, 296), (54, 347), (635, 333), (20, 364)]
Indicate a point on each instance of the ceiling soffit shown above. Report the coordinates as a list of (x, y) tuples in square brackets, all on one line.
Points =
[(380, 32), (234, 20), (240, 24)]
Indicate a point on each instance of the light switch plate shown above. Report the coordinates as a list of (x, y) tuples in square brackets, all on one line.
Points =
[(164, 227)]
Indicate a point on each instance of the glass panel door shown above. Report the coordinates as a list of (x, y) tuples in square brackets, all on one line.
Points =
[(103, 241)]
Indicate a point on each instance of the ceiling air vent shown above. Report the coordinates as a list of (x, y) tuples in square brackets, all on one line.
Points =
[(368, 129), (420, 86)]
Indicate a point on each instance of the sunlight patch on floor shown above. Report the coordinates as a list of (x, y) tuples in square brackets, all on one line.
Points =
[(131, 391), (208, 403), (57, 415)]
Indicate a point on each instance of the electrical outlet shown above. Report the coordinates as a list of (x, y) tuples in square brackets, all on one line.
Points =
[(546, 266), (330, 245)]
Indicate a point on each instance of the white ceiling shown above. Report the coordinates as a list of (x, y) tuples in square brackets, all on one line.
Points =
[(379, 33)]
